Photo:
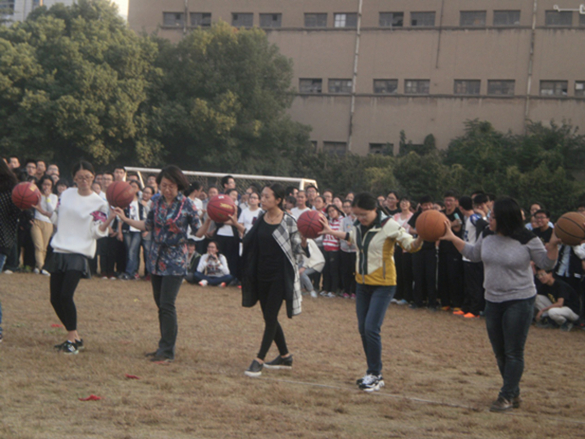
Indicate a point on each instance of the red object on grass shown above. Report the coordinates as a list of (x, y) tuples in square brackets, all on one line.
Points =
[(56, 325), (132, 377), (91, 397)]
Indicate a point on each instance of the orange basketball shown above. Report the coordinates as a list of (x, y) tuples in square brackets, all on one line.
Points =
[(569, 228), (430, 225), (309, 224), (220, 208), (120, 194), (26, 195)]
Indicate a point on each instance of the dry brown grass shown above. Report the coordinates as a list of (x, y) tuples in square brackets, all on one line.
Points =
[(439, 371)]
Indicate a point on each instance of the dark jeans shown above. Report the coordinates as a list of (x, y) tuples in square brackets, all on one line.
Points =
[(371, 304), (347, 268), (450, 279), (113, 255), (404, 274), (165, 290), (331, 271), (271, 296), (63, 285), (507, 326), (211, 280), (424, 267)]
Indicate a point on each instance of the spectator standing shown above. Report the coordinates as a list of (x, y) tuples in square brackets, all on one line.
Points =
[(403, 259), (42, 227)]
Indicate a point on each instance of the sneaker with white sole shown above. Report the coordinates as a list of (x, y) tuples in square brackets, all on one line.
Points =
[(69, 348), (380, 380), (255, 369), (323, 294), (36, 271), (370, 383), (280, 363), (203, 283), (314, 294), (45, 273)]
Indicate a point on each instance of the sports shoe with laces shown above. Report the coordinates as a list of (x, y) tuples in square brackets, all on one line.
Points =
[(567, 326), (370, 383), (501, 405), (203, 283), (314, 294), (380, 380), (516, 401), (69, 348), (79, 344), (470, 315), (255, 369), (280, 363)]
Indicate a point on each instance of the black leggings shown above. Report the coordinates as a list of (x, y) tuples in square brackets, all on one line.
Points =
[(63, 285), (271, 295)]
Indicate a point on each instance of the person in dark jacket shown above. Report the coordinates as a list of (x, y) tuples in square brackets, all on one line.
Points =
[(273, 249)]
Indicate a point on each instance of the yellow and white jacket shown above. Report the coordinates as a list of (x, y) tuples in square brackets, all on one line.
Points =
[(375, 250)]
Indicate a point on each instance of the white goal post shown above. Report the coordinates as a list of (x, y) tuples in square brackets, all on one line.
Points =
[(214, 178)]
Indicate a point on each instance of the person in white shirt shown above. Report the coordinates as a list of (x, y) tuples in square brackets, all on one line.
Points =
[(301, 205), (212, 269), (132, 236), (82, 218), (249, 215), (42, 228)]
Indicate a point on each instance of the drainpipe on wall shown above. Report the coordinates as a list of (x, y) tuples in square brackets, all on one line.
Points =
[(186, 17), (440, 32), (530, 65), (355, 72)]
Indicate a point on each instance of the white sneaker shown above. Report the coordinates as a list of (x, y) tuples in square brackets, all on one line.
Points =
[(203, 283), (45, 272), (36, 271), (323, 294), (8, 272), (314, 294), (331, 294)]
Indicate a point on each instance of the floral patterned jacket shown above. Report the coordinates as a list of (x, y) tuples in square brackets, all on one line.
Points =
[(170, 226)]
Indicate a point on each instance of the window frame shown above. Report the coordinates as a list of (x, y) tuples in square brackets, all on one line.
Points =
[(419, 82), (336, 148), (493, 82), (279, 21), (179, 22), (235, 16), (346, 17), (342, 87), (555, 84), (434, 14), (317, 16), (560, 15), (314, 81), (387, 81), (467, 87), (391, 25), (507, 11), (581, 91), (202, 22), (474, 24)]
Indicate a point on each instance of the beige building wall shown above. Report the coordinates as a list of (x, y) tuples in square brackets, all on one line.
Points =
[(441, 54)]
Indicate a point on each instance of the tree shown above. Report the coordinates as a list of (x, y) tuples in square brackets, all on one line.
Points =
[(72, 83), (222, 100)]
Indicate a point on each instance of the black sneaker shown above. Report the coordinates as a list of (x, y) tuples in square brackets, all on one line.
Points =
[(1, 337), (160, 359), (255, 369), (516, 401), (79, 344), (380, 380), (501, 405), (280, 363), (69, 348), (370, 383), (150, 354)]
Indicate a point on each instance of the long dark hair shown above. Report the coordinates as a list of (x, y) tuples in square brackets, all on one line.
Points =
[(508, 216), (7, 178)]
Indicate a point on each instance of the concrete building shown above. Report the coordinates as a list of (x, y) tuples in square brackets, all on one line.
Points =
[(18, 10), (367, 69)]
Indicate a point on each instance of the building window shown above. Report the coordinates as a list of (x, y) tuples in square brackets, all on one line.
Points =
[(174, 19), (337, 148), (345, 20), (199, 19), (556, 18), (270, 20), (581, 19), (339, 85), (6, 7), (385, 86), (243, 20), (580, 88), (554, 88), (422, 19), (315, 20), (381, 148), (501, 88), (472, 18), (417, 86), (310, 85), (391, 19), (466, 86), (506, 18)]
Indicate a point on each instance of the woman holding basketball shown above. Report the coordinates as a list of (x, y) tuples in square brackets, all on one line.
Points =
[(510, 293), (375, 239), (170, 217), (81, 219), (273, 249)]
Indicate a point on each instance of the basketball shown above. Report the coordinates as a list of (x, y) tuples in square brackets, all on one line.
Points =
[(569, 228), (26, 195), (430, 225), (220, 208), (120, 194), (309, 224)]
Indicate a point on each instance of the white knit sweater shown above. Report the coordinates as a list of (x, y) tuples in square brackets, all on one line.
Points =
[(78, 220)]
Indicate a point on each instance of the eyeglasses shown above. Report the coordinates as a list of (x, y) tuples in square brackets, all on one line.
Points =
[(84, 178)]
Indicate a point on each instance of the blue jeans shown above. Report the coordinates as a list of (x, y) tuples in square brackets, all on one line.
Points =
[(371, 304), (507, 326), (211, 280), (132, 242)]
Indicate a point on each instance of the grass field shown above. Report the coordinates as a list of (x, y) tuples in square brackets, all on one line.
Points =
[(439, 370)]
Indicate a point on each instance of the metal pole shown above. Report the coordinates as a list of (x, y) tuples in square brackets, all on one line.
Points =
[(530, 66), (354, 77)]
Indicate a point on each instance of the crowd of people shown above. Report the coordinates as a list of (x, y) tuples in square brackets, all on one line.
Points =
[(495, 259)]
